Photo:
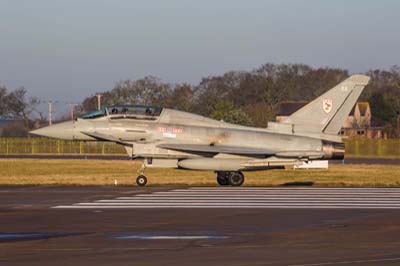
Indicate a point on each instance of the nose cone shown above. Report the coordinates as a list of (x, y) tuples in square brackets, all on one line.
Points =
[(64, 130)]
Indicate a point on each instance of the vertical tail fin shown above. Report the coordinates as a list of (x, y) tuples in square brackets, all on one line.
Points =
[(327, 113)]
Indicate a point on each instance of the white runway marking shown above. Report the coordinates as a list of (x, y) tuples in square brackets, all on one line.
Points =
[(347, 262), (167, 237), (248, 197)]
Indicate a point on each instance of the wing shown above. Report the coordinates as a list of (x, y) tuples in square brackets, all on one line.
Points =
[(215, 149)]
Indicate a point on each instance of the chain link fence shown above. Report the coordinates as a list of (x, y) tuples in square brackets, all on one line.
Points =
[(37, 146), (378, 148)]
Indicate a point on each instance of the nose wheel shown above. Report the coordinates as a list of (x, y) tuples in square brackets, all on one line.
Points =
[(141, 180)]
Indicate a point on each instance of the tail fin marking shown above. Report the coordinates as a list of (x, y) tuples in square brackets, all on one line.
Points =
[(328, 112)]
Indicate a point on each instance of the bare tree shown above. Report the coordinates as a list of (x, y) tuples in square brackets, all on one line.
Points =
[(17, 105)]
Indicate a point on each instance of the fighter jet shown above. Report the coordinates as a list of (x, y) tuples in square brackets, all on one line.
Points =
[(168, 138)]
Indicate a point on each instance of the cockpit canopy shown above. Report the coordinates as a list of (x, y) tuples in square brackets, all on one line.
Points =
[(96, 114), (138, 112)]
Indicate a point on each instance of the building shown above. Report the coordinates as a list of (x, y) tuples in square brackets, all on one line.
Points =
[(357, 124), (359, 117)]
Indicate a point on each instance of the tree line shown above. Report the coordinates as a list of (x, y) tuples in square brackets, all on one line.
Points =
[(252, 97), (242, 97)]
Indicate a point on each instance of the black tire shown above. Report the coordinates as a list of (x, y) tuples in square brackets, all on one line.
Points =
[(236, 179), (222, 179), (141, 181)]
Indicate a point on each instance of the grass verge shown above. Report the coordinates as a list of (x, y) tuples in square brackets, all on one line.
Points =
[(100, 172)]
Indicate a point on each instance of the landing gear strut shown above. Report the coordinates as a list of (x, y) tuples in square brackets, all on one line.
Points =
[(234, 179), (141, 180)]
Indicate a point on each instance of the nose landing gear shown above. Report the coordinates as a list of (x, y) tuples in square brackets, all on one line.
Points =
[(141, 180)]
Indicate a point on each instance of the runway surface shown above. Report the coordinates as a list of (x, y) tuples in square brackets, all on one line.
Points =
[(248, 197), (196, 226)]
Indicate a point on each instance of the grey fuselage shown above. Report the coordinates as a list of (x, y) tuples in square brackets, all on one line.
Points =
[(174, 126)]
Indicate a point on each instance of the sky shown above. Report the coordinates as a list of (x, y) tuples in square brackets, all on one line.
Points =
[(67, 50)]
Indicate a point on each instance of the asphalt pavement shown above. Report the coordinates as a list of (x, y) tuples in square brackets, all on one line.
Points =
[(199, 225)]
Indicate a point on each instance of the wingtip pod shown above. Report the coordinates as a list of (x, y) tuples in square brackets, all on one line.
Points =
[(359, 79)]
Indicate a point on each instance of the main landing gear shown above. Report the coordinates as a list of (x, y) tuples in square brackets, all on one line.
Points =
[(234, 179), (141, 180), (224, 178)]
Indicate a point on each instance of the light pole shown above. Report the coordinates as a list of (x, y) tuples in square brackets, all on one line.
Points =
[(50, 111), (71, 109), (99, 95)]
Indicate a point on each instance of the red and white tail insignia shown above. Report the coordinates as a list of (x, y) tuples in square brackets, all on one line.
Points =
[(327, 105)]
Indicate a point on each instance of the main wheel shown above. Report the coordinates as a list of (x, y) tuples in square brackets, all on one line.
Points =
[(222, 179), (141, 180), (236, 179)]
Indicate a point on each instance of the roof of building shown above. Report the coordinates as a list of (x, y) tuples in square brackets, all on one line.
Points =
[(362, 106), (288, 108), (4, 122)]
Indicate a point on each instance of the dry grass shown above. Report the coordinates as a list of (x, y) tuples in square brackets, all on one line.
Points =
[(102, 172)]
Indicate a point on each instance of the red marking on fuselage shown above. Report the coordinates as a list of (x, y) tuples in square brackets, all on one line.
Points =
[(162, 129), (177, 130)]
